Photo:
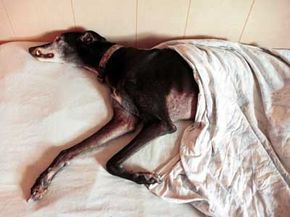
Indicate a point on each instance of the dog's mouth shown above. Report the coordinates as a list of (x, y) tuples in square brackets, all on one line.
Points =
[(37, 52)]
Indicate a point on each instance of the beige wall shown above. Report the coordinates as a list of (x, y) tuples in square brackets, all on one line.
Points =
[(146, 22)]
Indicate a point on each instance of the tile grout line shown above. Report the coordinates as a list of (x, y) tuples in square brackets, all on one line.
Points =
[(246, 21), (9, 19), (73, 12), (186, 21), (136, 24)]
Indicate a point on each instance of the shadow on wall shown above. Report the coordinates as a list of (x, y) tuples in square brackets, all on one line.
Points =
[(146, 40)]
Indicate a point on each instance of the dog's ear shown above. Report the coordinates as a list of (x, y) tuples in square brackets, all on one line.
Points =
[(90, 37)]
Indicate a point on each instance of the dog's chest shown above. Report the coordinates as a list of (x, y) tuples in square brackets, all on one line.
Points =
[(116, 96)]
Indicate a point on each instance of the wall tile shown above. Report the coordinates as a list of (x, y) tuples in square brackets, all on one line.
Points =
[(33, 17), (6, 32), (269, 24), (114, 19), (158, 20), (219, 18), (150, 21)]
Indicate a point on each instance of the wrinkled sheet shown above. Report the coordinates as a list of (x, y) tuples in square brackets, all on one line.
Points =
[(46, 107), (235, 159)]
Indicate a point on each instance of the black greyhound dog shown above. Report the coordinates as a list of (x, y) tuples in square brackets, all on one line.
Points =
[(150, 89)]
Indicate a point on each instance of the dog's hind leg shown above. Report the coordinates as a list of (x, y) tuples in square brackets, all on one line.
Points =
[(121, 124), (149, 132)]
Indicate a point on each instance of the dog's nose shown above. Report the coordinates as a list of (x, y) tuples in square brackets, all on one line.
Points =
[(31, 49)]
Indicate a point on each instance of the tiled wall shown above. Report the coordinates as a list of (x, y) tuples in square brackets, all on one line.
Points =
[(146, 22)]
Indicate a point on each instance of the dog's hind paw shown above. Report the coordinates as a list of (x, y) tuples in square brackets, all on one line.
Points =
[(147, 178)]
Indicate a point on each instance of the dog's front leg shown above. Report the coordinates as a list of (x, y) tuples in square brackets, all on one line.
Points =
[(121, 124)]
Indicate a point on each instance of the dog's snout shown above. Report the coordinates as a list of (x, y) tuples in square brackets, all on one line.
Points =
[(31, 50), (37, 52)]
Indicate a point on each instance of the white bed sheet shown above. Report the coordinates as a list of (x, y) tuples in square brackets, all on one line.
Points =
[(235, 158), (45, 107)]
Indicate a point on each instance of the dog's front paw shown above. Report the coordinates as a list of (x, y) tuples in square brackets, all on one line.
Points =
[(38, 191), (40, 187), (147, 178)]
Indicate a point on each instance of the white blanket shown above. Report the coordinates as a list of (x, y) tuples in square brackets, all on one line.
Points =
[(235, 160), (45, 107)]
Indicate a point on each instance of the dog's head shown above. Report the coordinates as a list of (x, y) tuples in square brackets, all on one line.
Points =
[(80, 48)]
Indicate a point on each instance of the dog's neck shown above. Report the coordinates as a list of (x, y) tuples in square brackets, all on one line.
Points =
[(106, 56)]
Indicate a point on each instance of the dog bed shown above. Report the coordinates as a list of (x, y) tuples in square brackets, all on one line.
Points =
[(235, 159), (46, 107)]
